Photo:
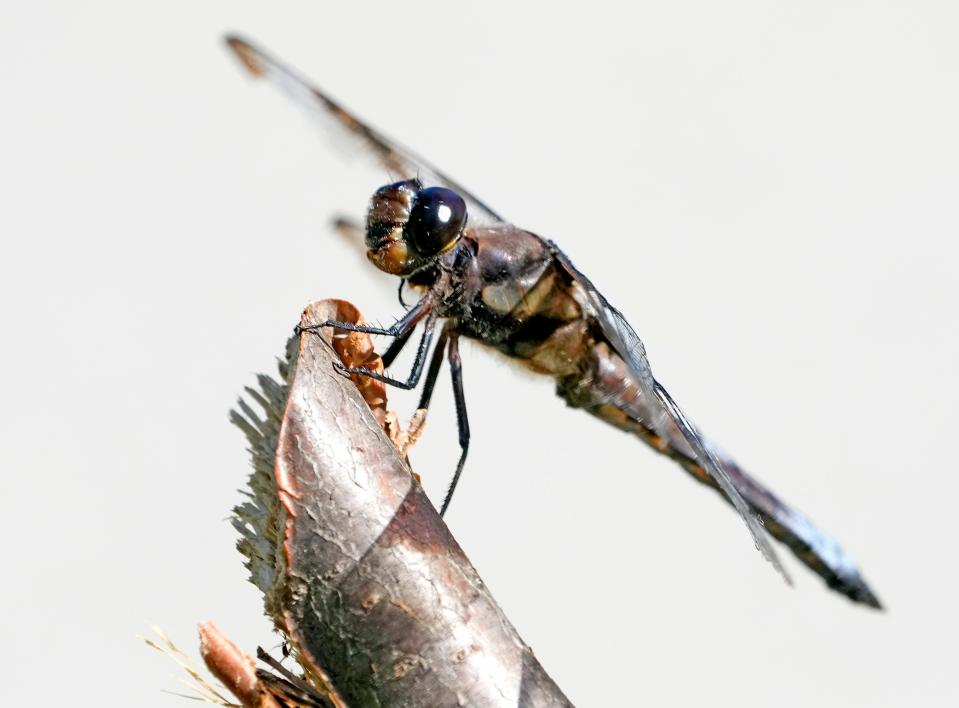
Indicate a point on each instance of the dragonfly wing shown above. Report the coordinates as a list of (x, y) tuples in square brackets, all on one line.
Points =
[(397, 159), (663, 409)]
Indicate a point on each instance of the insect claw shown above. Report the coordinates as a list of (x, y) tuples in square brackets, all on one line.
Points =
[(342, 368), (300, 329)]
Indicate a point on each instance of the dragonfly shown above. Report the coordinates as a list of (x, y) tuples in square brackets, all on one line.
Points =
[(483, 278)]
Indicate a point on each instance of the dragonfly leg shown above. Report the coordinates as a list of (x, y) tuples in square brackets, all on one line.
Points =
[(401, 327), (433, 371), (462, 422), (418, 362), (395, 348)]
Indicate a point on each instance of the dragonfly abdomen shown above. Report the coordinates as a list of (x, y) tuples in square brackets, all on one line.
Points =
[(606, 389)]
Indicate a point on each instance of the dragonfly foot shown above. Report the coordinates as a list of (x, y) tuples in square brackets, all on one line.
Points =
[(300, 329), (345, 370)]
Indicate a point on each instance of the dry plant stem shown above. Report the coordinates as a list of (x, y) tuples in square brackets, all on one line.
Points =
[(233, 668), (375, 590)]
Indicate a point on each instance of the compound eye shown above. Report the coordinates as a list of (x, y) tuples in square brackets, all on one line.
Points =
[(436, 220)]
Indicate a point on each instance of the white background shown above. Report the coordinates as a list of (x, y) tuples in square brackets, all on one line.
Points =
[(767, 190)]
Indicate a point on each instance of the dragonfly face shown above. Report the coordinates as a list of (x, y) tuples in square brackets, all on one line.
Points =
[(521, 295), (408, 226)]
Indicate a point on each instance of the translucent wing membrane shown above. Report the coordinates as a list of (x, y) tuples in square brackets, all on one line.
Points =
[(398, 160), (663, 408), (665, 416)]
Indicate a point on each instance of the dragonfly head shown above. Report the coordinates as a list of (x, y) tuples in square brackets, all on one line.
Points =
[(409, 226)]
